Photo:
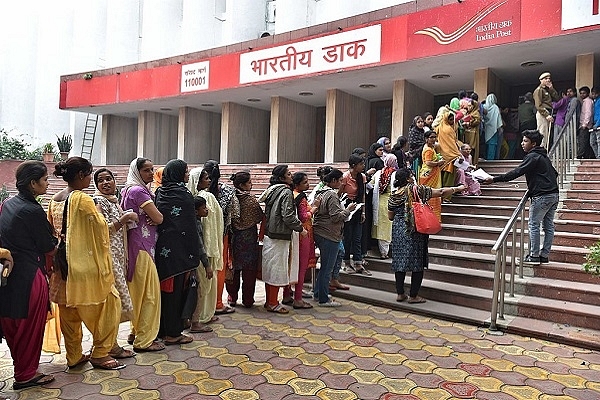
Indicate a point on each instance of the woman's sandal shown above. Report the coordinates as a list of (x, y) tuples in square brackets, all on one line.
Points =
[(416, 300), (287, 302), (181, 339), (84, 358), (279, 309), (200, 328), (39, 380), (225, 310), (110, 364), (121, 352), (155, 346), (303, 305)]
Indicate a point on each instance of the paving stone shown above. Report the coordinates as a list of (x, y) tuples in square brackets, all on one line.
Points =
[(554, 367), (176, 391), (510, 378), (153, 381), (338, 355), (284, 363), (525, 361), (337, 381), (273, 392), (368, 364), (482, 395), (444, 362), (546, 386), (416, 354), (309, 372), (78, 391), (219, 372), (394, 371), (367, 392), (425, 380), (247, 382)]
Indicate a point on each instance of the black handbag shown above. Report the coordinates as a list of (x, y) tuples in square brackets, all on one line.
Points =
[(60, 257)]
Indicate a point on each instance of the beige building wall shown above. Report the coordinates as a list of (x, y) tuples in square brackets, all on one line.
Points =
[(347, 124), (199, 135), (408, 101), (244, 134), (157, 136), (293, 132), (119, 139), (584, 71), (486, 82)]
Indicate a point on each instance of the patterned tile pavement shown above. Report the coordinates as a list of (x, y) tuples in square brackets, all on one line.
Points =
[(356, 351)]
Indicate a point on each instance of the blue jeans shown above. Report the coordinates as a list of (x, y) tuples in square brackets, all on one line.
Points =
[(541, 211), (329, 251), (338, 262)]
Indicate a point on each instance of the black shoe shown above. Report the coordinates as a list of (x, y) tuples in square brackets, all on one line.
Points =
[(544, 260), (529, 260)]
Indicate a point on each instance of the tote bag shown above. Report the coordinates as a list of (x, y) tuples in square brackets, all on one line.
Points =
[(426, 221)]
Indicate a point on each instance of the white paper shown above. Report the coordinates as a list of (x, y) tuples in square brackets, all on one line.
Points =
[(358, 207), (480, 174), (464, 165)]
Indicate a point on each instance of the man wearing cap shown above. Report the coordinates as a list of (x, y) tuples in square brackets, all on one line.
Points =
[(543, 96)]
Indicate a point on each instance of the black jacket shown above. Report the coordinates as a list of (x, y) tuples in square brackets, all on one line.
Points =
[(538, 170)]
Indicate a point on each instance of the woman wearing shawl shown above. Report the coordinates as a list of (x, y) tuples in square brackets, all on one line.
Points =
[(416, 141), (410, 248), (387, 146), (228, 201), (431, 173), (212, 228), (26, 236), (382, 227), (449, 147), (280, 248), (178, 249), (244, 241), (373, 164), (107, 204), (87, 293), (142, 279), (493, 128), (157, 179), (471, 125)]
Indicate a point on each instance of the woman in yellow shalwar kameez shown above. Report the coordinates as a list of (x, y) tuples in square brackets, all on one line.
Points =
[(87, 294), (430, 173)]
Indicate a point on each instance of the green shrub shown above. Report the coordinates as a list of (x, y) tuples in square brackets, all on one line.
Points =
[(592, 260), (16, 148)]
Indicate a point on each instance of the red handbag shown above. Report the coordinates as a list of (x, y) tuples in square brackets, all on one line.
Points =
[(426, 221)]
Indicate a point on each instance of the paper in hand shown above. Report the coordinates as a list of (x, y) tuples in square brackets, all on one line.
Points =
[(464, 165), (358, 207), (480, 175)]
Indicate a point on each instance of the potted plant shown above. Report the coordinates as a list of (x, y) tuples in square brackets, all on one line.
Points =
[(48, 152), (64, 143)]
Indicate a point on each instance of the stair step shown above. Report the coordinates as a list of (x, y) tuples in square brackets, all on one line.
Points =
[(583, 194), (581, 204), (539, 328)]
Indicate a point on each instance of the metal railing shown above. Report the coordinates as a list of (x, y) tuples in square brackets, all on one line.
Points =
[(562, 154)]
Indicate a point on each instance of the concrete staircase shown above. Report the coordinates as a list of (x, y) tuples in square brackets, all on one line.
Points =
[(556, 301)]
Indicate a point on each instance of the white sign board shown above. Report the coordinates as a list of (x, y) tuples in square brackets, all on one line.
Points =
[(333, 52), (580, 13), (195, 76)]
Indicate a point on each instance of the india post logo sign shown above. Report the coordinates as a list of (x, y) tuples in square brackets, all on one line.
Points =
[(463, 26), (580, 13)]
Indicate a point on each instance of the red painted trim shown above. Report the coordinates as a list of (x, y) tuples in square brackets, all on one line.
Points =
[(531, 20)]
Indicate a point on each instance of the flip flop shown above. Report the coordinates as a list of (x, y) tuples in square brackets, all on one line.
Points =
[(121, 353), (304, 305), (155, 346), (84, 358), (39, 380), (225, 310), (416, 300), (181, 339), (201, 329), (110, 365), (279, 309)]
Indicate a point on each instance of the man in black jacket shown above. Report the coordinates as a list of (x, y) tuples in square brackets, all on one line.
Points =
[(543, 191)]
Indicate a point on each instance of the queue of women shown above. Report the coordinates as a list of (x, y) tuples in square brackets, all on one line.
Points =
[(177, 237)]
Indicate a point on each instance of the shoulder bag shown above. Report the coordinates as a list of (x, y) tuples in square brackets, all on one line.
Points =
[(426, 221)]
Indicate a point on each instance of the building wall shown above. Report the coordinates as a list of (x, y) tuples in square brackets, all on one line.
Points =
[(159, 132), (201, 132), (409, 101), (244, 134), (347, 125), (293, 130), (122, 138)]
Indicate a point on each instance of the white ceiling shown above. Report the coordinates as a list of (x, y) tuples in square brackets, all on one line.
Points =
[(558, 55)]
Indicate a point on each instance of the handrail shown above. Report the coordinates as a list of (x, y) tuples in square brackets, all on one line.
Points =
[(562, 154)]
